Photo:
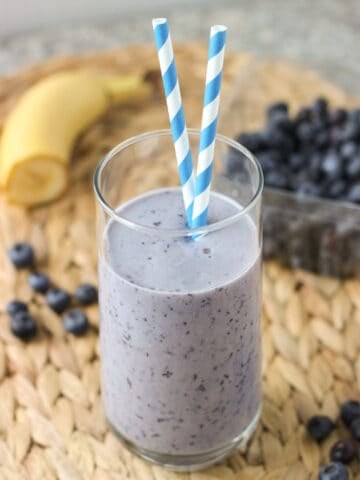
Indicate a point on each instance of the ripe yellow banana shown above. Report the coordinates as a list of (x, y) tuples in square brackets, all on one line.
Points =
[(40, 132)]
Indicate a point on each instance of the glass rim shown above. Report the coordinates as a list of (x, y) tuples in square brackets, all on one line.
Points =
[(166, 232)]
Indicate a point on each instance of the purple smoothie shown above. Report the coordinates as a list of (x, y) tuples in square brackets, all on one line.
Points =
[(180, 327)]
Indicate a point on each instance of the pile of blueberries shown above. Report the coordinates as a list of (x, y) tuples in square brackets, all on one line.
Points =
[(316, 153), (22, 323), (343, 451)]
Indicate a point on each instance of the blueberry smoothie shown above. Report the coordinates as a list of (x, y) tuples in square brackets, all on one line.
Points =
[(180, 327)]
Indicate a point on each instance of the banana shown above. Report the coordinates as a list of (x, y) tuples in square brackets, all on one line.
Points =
[(39, 134)]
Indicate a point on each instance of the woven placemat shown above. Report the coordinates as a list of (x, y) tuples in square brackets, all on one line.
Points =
[(52, 424)]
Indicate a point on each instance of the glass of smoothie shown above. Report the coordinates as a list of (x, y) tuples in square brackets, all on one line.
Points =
[(180, 309)]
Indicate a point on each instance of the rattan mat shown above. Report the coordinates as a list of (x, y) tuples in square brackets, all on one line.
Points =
[(51, 419)]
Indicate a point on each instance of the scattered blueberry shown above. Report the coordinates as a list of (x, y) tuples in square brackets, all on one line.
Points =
[(76, 322), (86, 294), (39, 282), (58, 300), (320, 427), (350, 411), (343, 451), (355, 428), (23, 325), (22, 255), (16, 306), (333, 471)]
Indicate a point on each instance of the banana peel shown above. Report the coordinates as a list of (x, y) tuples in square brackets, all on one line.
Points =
[(40, 132)]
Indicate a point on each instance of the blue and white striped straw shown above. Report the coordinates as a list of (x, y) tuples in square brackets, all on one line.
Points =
[(176, 112), (208, 125)]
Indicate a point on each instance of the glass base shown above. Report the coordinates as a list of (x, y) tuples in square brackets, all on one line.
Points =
[(190, 463)]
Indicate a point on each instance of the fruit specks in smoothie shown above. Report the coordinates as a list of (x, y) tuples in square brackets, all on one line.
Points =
[(201, 388), (178, 331), (167, 373)]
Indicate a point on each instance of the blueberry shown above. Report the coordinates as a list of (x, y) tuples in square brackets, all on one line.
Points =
[(309, 188), (336, 137), (297, 161), (16, 306), (352, 167), (39, 282), (314, 167), (343, 451), (338, 116), (269, 160), (303, 115), (277, 107), (322, 139), (281, 121), (351, 132), (348, 150), (354, 193), (22, 255), (355, 116), (355, 428), (57, 299), (320, 427), (278, 140), (251, 141), (305, 133), (76, 322), (332, 166), (295, 180), (335, 189), (333, 471), (320, 106), (350, 410), (86, 294), (23, 325), (276, 179)]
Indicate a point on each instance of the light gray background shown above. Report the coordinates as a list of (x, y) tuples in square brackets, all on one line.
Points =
[(323, 34)]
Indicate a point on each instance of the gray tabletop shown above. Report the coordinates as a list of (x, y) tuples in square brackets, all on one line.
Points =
[(322, 34)]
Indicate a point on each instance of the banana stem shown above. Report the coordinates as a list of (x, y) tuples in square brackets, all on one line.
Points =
[(126, 88)]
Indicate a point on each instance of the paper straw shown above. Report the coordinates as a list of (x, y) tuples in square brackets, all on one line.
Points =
[(209, 124), (176, 112)]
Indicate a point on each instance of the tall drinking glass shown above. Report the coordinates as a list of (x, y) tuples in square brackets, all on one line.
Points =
[(180, 310)]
